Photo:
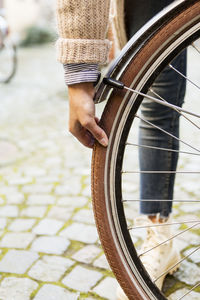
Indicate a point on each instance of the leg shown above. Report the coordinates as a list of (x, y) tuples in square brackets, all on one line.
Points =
[(137, 13), (170, 86)]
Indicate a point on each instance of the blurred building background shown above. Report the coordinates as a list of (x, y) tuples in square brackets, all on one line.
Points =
[(31, 21)]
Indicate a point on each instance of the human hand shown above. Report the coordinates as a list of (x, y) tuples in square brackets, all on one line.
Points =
[(82, 121)]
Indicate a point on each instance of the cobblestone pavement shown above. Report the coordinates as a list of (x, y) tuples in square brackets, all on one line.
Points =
[(49, 244)]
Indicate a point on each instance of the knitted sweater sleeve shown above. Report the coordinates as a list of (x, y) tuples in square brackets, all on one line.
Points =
[(82, 27)]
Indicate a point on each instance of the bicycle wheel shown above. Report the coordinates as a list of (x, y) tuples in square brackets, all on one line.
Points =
[(140, 62), (8, 61)]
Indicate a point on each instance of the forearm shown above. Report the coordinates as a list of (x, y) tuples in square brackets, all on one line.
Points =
[(81, 47), (82, 27)]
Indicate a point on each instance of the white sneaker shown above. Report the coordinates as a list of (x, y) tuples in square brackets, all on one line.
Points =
[(160, 259)]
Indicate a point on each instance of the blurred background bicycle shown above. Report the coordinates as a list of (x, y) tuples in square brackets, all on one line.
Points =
[(8, 55), (23, 24)]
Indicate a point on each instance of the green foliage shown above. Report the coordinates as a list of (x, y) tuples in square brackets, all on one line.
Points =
[(38, 35)]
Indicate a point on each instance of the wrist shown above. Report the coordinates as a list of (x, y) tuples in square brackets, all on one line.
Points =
[(81, 86), (81, 92)]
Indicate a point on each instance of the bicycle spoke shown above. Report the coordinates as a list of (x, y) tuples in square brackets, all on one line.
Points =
[(166, 132), (171, 238), (160, 172), (172, 106), (159, 200), (161, 224), (171, 268), (162, 149), (181, 74), (194, 287), (183, 115)]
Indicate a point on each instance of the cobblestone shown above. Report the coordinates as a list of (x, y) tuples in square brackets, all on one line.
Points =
[(16, 198), (85, 216), (181, 244), (17, 240), (34, 211), (87, 254), (80, 232), (3, 222), (8, 150), (189, 208), (35, 172), (190, 237), (87, 191), (50, 268), (52, 292), (188, 273), (51, 245), (9, 211), (64, 190), (8, 190), (13, 288), (20, 180), (48, 227), (81, 279), (17, 261), (22, 224), (179, 293), (52, 161), (195, 257), (107, 288), (60, 213), (101, 262), (41, 199), (37, 189), (47, 179), (72, 201)]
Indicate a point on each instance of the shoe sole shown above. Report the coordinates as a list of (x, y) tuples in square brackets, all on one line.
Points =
[(176, 265)]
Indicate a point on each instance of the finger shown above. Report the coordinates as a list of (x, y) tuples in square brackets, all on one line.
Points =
[(82, 134), (97, 132), (85, 138), (87, 142)]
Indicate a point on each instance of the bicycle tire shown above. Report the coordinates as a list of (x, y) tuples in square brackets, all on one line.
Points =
[(12, 51), (138, 65)]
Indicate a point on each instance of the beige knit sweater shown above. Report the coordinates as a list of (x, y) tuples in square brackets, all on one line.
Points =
[(82, 27)]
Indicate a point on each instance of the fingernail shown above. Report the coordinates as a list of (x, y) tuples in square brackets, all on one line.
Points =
[(104, 142)]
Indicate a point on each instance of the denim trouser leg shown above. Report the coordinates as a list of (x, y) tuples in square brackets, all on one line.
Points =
[(138, 12), (171, 87)]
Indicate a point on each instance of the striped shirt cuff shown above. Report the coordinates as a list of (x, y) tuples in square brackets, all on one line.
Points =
[(83, 72)]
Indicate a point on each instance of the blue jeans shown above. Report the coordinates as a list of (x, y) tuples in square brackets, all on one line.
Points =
[(170, 86)]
